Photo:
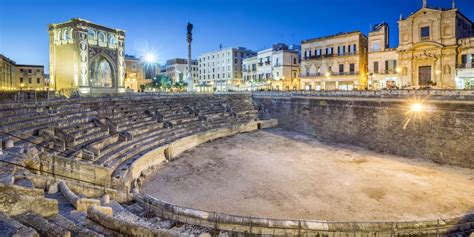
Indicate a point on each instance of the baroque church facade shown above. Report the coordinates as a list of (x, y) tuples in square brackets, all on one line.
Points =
[(86, 57), (433, 43)]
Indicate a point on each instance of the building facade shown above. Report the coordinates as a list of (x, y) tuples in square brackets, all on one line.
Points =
[(465, 67), (86, 57), (429, 47), (30, 77), (336, 62), (177, 70), (383, 69), (134, 74), (276, 68), (221, 70), (8, 80)]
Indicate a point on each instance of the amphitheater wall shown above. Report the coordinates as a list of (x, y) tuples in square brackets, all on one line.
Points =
[(85, 172), (443, 132)]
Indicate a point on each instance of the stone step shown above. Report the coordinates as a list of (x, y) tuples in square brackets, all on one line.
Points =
[(11, 227), (76, 230), (42, 225)]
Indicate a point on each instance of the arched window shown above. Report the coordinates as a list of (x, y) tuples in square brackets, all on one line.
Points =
[(67, 34), (102, 37), (58, 35), (112, 40), (91, 35)]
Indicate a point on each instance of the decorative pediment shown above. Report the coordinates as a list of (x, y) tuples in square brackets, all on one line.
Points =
[(424, 11), (427, 45)]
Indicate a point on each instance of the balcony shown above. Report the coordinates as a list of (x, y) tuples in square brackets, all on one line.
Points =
[(345, 73), (268, 62), (318, 74), (260, 64)]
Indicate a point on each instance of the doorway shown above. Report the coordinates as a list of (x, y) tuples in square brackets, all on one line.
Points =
[(424, 75)]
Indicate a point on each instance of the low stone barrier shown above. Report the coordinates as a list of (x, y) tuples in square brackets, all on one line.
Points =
[(434, 94), (126, 227), (81, 204), (262, 226)]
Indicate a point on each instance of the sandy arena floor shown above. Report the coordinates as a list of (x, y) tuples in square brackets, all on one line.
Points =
[(280, 174)]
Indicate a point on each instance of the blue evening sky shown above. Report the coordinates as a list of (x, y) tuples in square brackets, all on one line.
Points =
[(161, 25)]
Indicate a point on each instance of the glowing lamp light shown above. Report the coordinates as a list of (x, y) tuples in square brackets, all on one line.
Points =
[(150, 58), (417, 107), (398, 70)]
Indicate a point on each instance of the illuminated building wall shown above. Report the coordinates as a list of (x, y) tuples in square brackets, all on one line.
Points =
[(276, 68), (428, 49), (221, 70), (87, 57), (7, 74), (134, 74), (335, 62), (383, 69), (30, 77)]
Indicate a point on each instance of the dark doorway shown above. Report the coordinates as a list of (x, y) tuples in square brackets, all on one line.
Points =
[(424, 75)]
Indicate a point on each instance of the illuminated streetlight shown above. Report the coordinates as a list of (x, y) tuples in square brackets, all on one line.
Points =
[(150, 58), (417, 107)]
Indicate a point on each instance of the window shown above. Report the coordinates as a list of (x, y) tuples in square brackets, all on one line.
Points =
[(21, 79), (294, 61), (375, 47), (112, 40), (38, 80), (29, 71), (91, 34), (390, 66), (341, 69), (376, 67), (102, 37), (425, 32), (352, 68), (29, 80)]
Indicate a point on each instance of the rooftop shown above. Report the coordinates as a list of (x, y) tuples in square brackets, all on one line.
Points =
[(341, 34), (29, 65)]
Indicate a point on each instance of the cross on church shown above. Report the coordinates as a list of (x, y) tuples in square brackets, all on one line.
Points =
[(424, 4)]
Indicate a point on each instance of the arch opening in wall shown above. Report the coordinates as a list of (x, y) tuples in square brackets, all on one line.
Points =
[(101, 72)]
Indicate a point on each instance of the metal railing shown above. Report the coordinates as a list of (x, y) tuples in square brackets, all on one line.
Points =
[(433, 94)]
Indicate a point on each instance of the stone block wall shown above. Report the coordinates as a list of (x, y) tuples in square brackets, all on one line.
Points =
[(444, 133)]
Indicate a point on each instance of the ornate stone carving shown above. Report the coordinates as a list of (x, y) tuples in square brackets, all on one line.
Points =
[(93, 51), (84, 59)]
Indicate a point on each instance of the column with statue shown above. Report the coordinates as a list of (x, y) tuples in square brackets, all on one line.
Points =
[(189, 78)]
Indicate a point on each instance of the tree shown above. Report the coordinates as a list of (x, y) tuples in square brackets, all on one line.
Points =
[(161, 82)]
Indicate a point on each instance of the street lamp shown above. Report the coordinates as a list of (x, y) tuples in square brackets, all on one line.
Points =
[(150, 58)]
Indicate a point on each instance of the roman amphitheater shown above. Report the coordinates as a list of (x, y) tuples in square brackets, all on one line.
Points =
[(348, 163)]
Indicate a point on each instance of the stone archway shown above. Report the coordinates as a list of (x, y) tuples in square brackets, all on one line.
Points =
[(102, 72)]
